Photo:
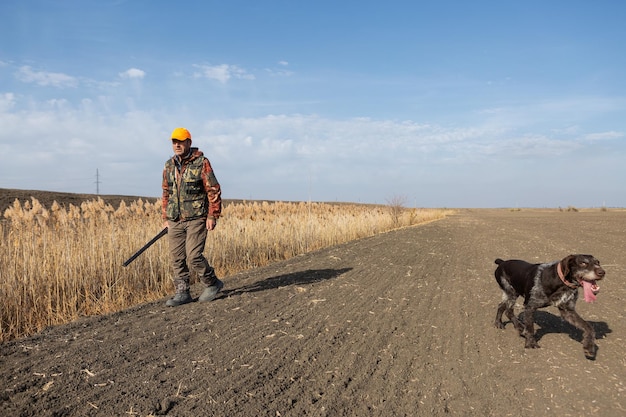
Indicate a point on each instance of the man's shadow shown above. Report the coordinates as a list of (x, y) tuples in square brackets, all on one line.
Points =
[(551, 323), (309, 276)]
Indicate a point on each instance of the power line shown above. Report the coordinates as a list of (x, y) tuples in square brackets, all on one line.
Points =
[(97, 182)]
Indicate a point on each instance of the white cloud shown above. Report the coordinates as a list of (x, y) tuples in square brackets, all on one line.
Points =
[(604, 136), (7, 101), (55, 79), (281, 71), (557, 115), (284, 156), (67, 143), (222, 73), (358, 139), (133, 73)]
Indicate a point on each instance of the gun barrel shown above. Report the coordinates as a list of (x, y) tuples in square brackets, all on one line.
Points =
[(146, 246)]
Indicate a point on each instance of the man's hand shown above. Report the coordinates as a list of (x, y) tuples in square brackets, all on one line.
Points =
[(210, 223)]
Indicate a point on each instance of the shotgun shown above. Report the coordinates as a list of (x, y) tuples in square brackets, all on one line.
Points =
[(146, 246)]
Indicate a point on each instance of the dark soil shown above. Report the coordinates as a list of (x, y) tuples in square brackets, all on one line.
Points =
[(400, 324)]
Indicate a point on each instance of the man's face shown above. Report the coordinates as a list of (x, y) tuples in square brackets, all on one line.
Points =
[(181, 147)]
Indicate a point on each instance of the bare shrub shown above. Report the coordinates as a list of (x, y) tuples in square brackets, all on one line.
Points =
[(397, 206)]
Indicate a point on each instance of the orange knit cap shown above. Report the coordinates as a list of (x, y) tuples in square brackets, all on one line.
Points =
[(180, 133)]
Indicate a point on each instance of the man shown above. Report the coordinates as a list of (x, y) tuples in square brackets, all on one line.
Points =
[(192, 203)]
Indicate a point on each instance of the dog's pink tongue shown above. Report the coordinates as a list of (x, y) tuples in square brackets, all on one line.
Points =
[(589, 289)]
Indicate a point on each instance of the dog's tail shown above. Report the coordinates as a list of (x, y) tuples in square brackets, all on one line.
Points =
[(498, 261)]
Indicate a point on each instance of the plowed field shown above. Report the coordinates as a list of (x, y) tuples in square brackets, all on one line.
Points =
[(400, 324)]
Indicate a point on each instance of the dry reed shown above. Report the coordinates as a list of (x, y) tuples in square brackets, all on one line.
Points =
[(58, 264)]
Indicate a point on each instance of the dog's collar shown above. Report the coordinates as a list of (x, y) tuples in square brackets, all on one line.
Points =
[(559, 271)]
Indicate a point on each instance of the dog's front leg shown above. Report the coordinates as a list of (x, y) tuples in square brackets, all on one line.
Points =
[(589, 335), (528, 331), (498, 323)]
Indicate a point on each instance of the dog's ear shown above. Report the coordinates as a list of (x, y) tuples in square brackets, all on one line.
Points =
[(566, 262)]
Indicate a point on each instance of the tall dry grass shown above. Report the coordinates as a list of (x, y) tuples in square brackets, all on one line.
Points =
[(57, 264)]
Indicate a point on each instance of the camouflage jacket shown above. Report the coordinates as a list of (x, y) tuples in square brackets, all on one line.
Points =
[(190, 189)]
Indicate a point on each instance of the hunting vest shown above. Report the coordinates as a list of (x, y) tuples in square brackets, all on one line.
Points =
[(187, 197)]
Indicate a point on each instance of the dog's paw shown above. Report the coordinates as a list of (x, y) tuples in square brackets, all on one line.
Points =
[(498, 324), (590, 351), (531, 344)]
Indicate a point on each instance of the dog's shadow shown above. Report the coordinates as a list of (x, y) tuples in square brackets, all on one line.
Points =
[(309, 276), (550, 323)]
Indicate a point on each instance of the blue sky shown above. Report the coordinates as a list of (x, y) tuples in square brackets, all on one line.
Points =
[(442, 104)]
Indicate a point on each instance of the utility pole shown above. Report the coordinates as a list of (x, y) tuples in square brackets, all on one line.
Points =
[(97, 182)]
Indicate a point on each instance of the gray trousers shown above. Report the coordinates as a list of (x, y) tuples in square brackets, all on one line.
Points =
[(186, 241)]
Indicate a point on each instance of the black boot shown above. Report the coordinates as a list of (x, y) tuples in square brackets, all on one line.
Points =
[(180, 298), (211, 291), (182, 295)]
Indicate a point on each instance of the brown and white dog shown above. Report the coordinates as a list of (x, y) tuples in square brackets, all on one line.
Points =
[(545, 284)]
